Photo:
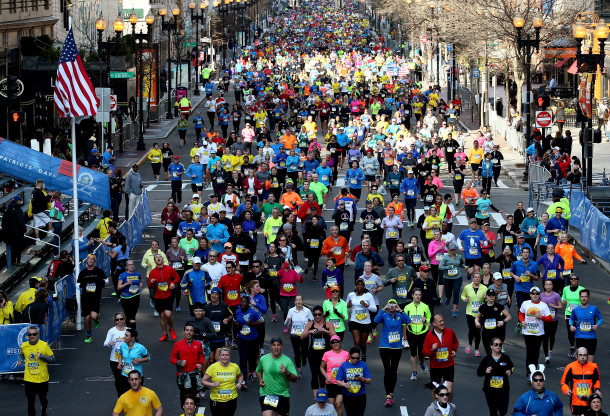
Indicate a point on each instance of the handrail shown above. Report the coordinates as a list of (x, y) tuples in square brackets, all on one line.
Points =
[(45, 231)]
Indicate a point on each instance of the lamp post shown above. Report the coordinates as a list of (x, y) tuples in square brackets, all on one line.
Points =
[(198, 18), (223, 9), (591, 62), (239, 6), (528, 45), (140, 38), (110, 45), (171, 25)]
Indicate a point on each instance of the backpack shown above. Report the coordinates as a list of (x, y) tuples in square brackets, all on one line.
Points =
[(53, 269)]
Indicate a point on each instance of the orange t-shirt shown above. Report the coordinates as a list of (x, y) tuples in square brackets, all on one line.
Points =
[(567, 253), (472, 193), (398, 209), (337, 249), (288, 141)]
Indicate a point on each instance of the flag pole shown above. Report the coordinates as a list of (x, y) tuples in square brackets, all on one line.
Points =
[(79, 319)]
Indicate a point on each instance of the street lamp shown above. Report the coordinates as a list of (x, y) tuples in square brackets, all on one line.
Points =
[(198, 18), (140, 38), (171, 25), (590, 61), (109, 46), (528, 45), (223, 7)]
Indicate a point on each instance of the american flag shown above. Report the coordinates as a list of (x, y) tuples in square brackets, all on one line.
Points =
[(74, 94)]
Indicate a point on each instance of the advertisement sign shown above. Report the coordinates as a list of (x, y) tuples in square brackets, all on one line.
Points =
[(584, 94), (30, 165), (150, 57)]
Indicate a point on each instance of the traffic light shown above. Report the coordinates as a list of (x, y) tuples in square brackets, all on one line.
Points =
[(40, 110), (18, 117), (12, 88), (597, 136)]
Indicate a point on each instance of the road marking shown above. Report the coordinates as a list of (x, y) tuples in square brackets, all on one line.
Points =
[(461, 219), (151, 187), (184, 185), (498, 218), (404, 411), (340, 182), (201, 410), (501, 184)]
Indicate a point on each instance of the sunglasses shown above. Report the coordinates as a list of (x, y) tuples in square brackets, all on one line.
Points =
[(573, 278), (33, 335), (212, 255), (497, 345), (443, 394), (119, 319), (537, 380), (335, 342), (256, 267), (354, 358), (317, 314)]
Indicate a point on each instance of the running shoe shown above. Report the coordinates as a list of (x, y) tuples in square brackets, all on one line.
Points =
[(173, 334), (454, 314), (477, 353), (447, 301), (163, 338), (424, 369), (285, 330), (547, 360), (113, 294), (155, 313), (299, 374), (550, 354), (254, 377), (388, 401), (414, 375), (274, 318), (262, 351), (89, 339), (412, 225), (369, 339), (374, 334), (405, 344), (98, 321), (467, 350), (233, 344), (572, 352), (178, 309)]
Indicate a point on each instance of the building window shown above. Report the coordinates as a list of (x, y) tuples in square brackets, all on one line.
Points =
[(43, 31), (12, 6)]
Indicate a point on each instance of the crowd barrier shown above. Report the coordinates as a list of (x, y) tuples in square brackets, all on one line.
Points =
[(592, 224), (12, 336), (499, 126)]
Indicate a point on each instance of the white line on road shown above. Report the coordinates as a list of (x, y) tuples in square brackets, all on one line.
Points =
[(501, 184), (498, 218), (151, 187), (404, 411), (461, 219)]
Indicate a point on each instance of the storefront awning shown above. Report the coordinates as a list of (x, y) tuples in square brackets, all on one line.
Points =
[(562, 62)]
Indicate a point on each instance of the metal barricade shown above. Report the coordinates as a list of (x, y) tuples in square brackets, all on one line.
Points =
[(500, 127)]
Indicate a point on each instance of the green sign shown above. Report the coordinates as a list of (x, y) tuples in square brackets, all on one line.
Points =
[(127, 13), (189, 44), (121, 75)]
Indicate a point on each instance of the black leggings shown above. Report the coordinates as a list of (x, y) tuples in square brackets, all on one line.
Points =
[(354, 405), (274, 298), (487, 185), (497, 401), (130, 308), (313, 258), (261, 335), (390, 357), (488, 334), (571, 335), (317, 379), (390, 243), (40, 389), (223, 408), (118, 377), (410, 207), (300, 348), (550, 329), (532, 350), (248, 355), (474, 333)]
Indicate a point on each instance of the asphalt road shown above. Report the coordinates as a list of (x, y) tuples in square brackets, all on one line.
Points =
[(82, 381)]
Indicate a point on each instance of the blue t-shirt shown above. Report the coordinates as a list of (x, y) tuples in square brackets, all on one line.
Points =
[(584, 319), (483, 208), (348, 373), (325, 174), (175, 171), (391, 333), (197, 171), (517, 250), (519, 268), (354, 178), (251, 315), (137, 351), (293, 163), (311, 165), (134, 288), (471, 241)]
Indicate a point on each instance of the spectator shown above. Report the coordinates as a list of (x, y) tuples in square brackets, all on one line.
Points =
[(40, 201), (7, 314), (13, 230), (133, 188), (57, 215), (37, 312), (83, 244)]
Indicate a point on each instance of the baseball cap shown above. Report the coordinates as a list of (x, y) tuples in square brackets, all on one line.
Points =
[(426, 208), (337, 288), (215, 215), (534, 289), (322, 396), (228, 245), (276, 339), (93, 150), (196, 260), (176, 157), (17, 198), (424, 268), (368, 201), (196, 196), (497, 276), (491, 292), (360, 279), (530, 209), (216, 290), (335, 338), (472, 220)]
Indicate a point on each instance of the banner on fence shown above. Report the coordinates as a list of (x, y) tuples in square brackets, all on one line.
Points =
[(593, 225), (11, 336), (30, 165)]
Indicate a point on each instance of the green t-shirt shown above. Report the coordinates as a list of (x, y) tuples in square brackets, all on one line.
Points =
[(572, 298), (276, 382), (400, 288), (319, 189), (267, 209)]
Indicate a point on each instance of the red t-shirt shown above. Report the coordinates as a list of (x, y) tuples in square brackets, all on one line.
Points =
[(164, 277), (230, 286)]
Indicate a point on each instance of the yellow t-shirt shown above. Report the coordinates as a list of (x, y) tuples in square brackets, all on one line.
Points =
[(336, 86), (227, 376), (370, 197), (417, 107), (103, 227), (476, 156), (435, 222), (25, 299), (36, 370), (137, 403), (155, 156), (228, 162)]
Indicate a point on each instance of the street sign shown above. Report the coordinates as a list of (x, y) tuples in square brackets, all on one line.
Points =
[(103, 111), (121, 75), (475, 73), (449, 47), (189, 44), (205, 40), (544, 119), (113, 103), (424, 39), (4, 87)]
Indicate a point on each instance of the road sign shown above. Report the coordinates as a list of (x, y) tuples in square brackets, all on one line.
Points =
[(475, 73), (449, 47), (544, 119), (4, 87), (113, 103), (205, 40), (424, 39), (121, 75), (189, 44), (103, 111)]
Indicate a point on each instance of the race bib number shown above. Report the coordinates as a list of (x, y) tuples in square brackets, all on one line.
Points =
[(220, 180), (416, 258), (452, 272), (354, 181), (169, 227), (551, 274), (401, 292), (216, 326), (490, 323), (525, 278), (288, 287), (250, 191), (496, 382), (585, 326), (392, 234), (354, 387), (177, 265), (506, 273), (360, 314), (134, 289), (343, 226), (476, 304), (325, 178), (417, 319), (245, 330), (532, 328), (393, 336), (127, 368), (273, 273), (314, 243), (271, 400), (442, 354), (369, 226), (439, 256), (297, 329), (572, 306), (337, 251), (450, 149), (473, 251), (90, 287), (163, 286), (336, 323), (224, 394), (410, 192), (232, 294), (583, 389), (508, 239), (319, 344), (429, 198), (239, 249), (458, 177)]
